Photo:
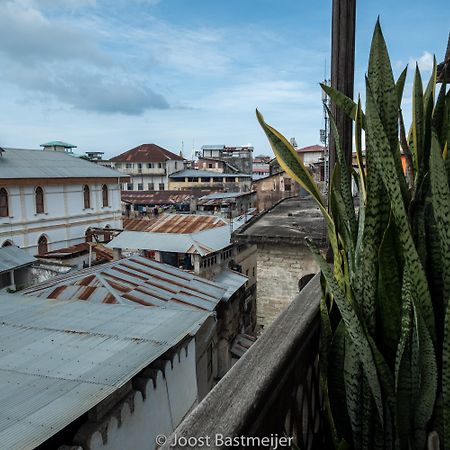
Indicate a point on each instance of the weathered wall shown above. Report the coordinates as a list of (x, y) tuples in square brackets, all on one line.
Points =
[(280, 268), (156, 408)]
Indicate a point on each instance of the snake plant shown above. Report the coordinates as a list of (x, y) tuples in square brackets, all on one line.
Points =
[(385, 311)]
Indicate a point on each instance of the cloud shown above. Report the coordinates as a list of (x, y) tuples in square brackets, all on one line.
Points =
[(425, 62), (61, 59)]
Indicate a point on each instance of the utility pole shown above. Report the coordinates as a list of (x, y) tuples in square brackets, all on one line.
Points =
[(342, 71)]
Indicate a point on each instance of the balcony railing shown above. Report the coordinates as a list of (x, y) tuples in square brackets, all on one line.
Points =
[(272, 391)]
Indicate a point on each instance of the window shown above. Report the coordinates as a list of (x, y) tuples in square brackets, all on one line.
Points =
[(39, 198), (129, 165), (4, 211), (210, 165), (7, 244), (218, 180), (151, 186), (205, 179), (176, 165), (42, 245), (149, 165), (86, 197), (117, 165), (161, 186), (105, 200), (139, 166), (129, 186), (140, 187)]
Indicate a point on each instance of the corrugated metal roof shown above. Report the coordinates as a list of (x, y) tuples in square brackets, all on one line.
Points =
[(13, 257), (20, 163), (192, 173), (232, 280), (174, 223), (67, 252), (162, 197), (185, 223), (134, 280), (203, 242), (60, 359)]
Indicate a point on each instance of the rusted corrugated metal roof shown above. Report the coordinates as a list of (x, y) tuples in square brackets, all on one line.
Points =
[(175, 223), (162, 197), (101, 252), (134, 280), (186, 223)]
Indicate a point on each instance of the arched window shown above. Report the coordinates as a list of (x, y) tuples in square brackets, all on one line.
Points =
[(105, 195), (42, 245), (4, 210), (7, 243), (86, 197), (39, 196)]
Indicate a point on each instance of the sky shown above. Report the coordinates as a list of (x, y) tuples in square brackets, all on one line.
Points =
[(111, 75)]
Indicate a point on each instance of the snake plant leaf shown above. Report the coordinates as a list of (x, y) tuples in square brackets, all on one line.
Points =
[(354, 328), (354, 381), (426, 398), (388, 305), (400, 86), (418, 121), (342, 101), (440, 116), (345, 179), (336, 383), (291, 162), (359, 155), (446, 379), (326, 337), (385, 96), (377, 138)]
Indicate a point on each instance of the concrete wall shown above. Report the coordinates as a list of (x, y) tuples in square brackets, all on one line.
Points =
[(280, 268), (155, 406), (65, 219)]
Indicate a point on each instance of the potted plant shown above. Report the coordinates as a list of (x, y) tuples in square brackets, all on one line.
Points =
[(385, 312)]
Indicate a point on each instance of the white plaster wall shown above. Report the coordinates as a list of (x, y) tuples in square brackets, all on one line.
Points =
[(162, 410), (64, 221)]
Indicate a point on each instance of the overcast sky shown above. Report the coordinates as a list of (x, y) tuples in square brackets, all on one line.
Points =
[(111, 75)]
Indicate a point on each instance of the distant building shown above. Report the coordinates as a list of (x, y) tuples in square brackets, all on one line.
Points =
[(148, 166), (198, 243), (238, 158), (227, 204), (95, 156), (142, 203), (58, 146), (82, 374), (15, 268), (208, 179), (49, 198)]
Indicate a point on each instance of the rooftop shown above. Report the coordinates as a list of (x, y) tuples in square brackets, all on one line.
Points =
[(20, 163), (60, 359), (14, 257), (192, 173), (202, 242), (58, 144), (311, 148), (290, 222), (147, 153), (134, 280), (162, 197)]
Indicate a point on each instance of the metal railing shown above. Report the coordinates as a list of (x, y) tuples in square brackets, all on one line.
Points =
[(273, 391)]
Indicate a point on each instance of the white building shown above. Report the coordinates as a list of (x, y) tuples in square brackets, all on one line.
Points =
[(148, 165), (50, 198)]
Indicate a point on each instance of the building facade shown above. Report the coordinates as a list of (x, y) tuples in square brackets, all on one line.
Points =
[(240, 158), (148, 167), (49, 199)]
